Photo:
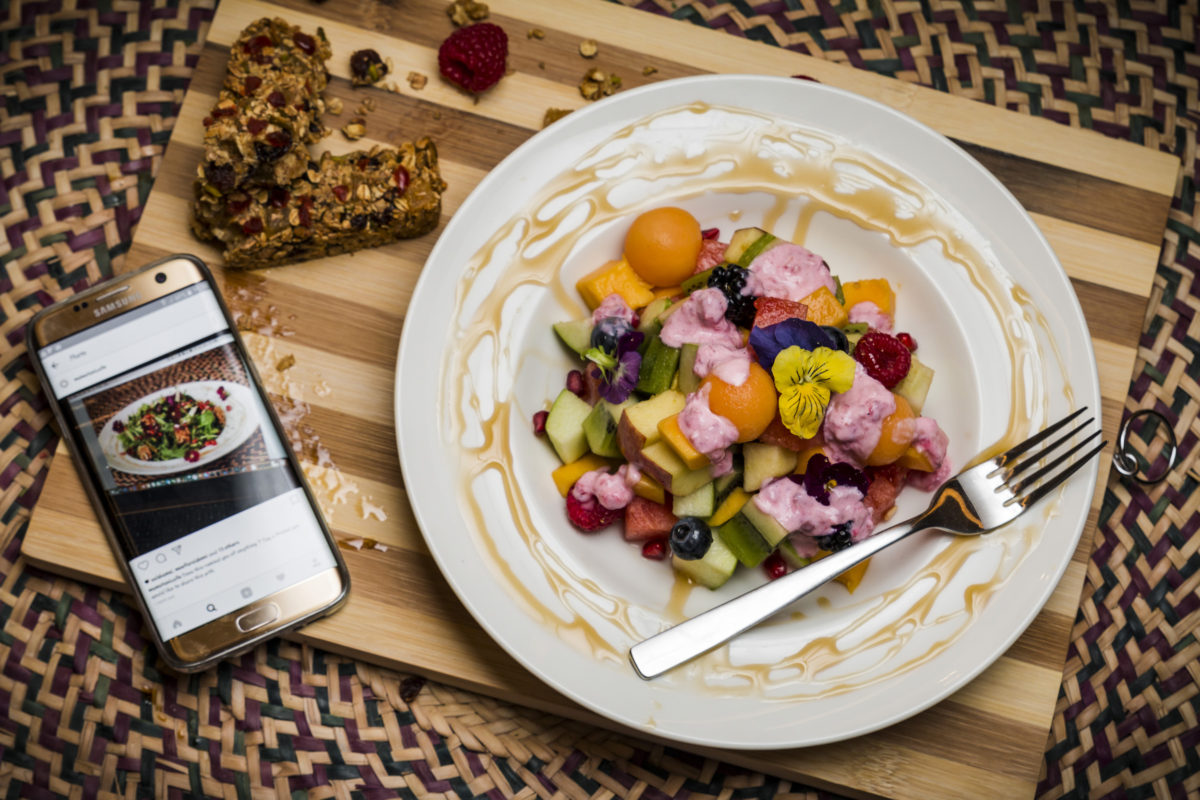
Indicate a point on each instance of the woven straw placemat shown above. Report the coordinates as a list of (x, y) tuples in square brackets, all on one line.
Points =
[(90, 92)]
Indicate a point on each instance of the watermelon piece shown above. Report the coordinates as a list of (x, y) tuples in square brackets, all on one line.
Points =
[(711, 253), (774, 309), (886, 483), (646, 520)]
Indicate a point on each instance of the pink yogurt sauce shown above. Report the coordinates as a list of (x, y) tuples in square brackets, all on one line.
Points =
[(701, 320), (788, 271), (854, 419), (613, 306), (709, 433), (873, 315), (792, 507), (613, 491), (931, 441)]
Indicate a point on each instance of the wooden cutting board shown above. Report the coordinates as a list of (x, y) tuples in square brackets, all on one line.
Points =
[(1101, 203)]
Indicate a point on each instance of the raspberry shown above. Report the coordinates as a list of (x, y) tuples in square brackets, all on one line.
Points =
[(884, 357), (587, 519), (739, 307), (474, 57)]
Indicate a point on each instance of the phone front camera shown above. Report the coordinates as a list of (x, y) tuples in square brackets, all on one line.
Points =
[(160, 277)]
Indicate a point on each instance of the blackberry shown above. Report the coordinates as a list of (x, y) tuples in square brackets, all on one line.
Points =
[(838, 539), (730, 280)]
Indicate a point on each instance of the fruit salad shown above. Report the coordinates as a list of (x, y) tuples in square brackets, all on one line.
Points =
[(736, 404)]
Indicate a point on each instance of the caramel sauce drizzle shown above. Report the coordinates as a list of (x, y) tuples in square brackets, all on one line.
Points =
[(748, 153)]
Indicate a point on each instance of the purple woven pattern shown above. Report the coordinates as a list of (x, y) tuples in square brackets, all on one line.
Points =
[(1126, 724)]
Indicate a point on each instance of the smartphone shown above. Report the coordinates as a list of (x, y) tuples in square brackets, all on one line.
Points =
[(206, 507)]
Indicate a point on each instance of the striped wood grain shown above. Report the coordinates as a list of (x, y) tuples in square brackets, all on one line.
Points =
[(1101, 203)]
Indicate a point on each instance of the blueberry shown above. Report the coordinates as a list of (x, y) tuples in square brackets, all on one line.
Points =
[(837, 539), (839, 337), (608, 332), (690, 538)]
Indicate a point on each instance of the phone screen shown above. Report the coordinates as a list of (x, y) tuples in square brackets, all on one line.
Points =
[(207, 507)]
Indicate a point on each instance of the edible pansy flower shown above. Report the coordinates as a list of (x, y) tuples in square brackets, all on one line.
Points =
[(769, 341), (805, 379), (619, 369), (821, 475)]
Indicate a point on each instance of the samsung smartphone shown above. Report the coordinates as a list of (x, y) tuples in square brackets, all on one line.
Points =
[(186, 462)]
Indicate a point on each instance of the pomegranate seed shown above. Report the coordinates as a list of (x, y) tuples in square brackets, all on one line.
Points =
[(238, 205), (806, 78), (341, 192), (775, 566), (279, 196), (710, 233), (255, 126), (277, 99), (400, 176), (305, 215), (575, 383), (655, 549), (908, 341), (252, 226), (305, 42), (251, 85), (637, 319), (257, 43), (539, 422), (279, 139)]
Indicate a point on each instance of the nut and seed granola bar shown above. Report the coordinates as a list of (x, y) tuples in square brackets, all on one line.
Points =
[(259, 193), (268, 110), (341, 204)]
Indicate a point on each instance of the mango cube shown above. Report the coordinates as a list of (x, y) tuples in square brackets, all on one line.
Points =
[(673, 435), (824, 309), (876, 290), (614, 277), (565, 476)]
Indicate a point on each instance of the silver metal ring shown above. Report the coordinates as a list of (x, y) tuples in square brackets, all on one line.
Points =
[(1126, 459)]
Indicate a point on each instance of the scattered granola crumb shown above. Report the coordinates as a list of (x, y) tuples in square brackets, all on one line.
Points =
[(464, 12), (437, 114), (366, 68), (588, 48), (648, 71), (285, 363), (417, 80), (333, 105), (597, 83), (356, 129), (535, 33), (554, 115), (541, 65)]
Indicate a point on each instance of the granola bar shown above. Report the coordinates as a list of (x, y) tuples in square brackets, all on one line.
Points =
[(268, 110), (338, 205)]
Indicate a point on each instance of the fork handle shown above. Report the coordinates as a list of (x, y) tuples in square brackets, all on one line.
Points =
[(706, 630)]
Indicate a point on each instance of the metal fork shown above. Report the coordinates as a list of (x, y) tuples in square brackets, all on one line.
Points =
[(975, 501)]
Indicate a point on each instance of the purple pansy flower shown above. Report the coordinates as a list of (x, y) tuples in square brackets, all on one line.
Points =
[(770, 341)]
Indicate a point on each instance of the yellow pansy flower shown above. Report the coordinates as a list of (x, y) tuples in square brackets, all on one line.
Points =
[(805, 379)]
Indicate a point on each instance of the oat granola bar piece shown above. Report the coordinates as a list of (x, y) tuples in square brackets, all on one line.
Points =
[(341, 204), (268, 110)]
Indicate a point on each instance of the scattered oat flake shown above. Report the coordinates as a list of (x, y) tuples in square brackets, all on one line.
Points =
[(334, 105), (588, 48), (355, 130), (535, 33), (285, 363), (417, 80)]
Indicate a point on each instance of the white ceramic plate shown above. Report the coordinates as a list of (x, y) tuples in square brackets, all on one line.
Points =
[(240, 422), (876, 194)]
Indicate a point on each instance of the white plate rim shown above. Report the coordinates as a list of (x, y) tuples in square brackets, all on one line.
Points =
[(673, 93)]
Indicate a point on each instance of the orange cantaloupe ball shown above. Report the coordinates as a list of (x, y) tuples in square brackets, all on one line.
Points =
[(662, 245), (899, 429), (749, 406)]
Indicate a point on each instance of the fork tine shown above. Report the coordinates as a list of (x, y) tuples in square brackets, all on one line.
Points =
[(1003, 459), (1045, 451), (1030, 480), (1054, 482)]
